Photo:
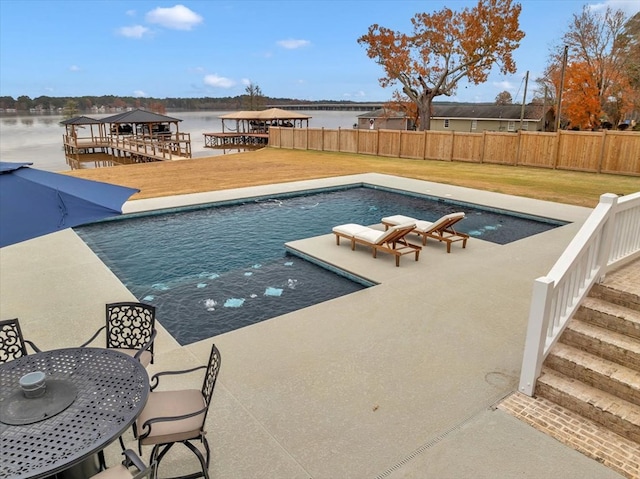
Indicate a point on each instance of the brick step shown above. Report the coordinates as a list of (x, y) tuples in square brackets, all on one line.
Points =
[(616, 347), (617, 415), (610, 316), (595, 371), (628, 299)]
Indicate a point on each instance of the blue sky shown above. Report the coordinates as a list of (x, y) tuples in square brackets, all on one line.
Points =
[(299, 49)]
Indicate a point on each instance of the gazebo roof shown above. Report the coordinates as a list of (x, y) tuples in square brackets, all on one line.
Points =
[(81, 120), (139, 116), (270, 114)]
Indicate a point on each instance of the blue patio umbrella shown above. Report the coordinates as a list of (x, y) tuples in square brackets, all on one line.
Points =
[(35, 202)]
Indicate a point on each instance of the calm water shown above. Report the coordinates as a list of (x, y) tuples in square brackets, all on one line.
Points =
[(216, 269), (38, 138)]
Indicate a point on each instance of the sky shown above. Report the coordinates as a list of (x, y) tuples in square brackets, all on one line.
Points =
[(300, 49)]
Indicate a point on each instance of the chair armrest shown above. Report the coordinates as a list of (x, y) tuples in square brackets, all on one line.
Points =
[(33, 346), (155, 379), (147, 345), (93, 337), (147, 426)]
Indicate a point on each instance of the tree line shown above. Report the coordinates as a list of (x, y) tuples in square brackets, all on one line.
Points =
[(252, 101)]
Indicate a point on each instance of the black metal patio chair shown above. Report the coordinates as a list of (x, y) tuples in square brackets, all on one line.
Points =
[(129, 328), (171, 417), (12, 343), (124, 470)]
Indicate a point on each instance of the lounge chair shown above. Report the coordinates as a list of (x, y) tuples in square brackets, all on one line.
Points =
[(441, 230), (390, 241)]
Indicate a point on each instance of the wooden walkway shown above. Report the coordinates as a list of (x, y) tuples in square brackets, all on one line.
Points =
[(124, 150)]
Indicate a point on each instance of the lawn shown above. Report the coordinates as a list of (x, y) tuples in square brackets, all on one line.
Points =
[(272, 165)]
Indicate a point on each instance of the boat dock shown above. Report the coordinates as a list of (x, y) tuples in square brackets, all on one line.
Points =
[(135, 136), (111, 151), (251, 128)]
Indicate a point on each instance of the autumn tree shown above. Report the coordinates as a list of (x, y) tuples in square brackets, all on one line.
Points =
[(597, 87), (504, 98), (253, 98), (445, 47), (400, 104), (158, 107)]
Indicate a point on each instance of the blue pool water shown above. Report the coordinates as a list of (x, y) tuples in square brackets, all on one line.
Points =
[(215, 269)]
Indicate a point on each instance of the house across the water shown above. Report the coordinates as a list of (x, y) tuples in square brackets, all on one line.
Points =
[(469, 117)]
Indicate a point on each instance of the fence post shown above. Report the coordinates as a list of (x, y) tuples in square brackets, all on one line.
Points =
[(536, 334), (484, 145), (518, 147), (557, 149), (602, 146), (425, 135), (400, 144), (453, 139)]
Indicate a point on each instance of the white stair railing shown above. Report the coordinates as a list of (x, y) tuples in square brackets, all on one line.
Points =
[(609, 237)]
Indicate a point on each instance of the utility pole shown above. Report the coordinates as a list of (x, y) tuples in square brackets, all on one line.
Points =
[(564, 67), (524, 98)]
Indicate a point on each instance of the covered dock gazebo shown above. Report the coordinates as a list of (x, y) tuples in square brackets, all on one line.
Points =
[(259, 121), (251, 128), (142, 122)]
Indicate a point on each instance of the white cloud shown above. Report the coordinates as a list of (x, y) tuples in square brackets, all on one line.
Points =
[(130, 13), (136, 31), (629, 7), (505, 85), (218, 81), (358, 94), (245, 81), (74, 68), (292, 44), (139, 94), (175, 18)]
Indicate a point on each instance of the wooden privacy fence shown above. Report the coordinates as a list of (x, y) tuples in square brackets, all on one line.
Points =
[(602, 152)]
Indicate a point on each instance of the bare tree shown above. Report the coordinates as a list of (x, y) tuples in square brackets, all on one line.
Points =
[(597, 84), (253, 98)]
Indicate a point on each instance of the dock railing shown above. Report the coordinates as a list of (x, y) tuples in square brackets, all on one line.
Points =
[(609, 238)]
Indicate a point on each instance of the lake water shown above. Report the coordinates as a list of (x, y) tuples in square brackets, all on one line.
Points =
[(37, 138)]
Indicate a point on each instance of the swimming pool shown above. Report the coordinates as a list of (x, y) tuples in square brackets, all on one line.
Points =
[(210, 270)]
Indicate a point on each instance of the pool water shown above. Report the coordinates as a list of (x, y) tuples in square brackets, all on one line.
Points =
[(216, 269)]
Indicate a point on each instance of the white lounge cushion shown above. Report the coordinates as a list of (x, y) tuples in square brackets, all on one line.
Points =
[(398, 219), (349, 229), (421, 225), (378, 237), (371, 236)]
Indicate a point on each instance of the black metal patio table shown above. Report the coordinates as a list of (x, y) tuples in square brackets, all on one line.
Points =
[(92, 396)]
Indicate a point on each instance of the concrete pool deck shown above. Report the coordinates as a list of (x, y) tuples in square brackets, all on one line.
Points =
[(399, 380)]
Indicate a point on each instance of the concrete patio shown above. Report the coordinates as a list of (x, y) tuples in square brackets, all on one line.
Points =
[(399, 380)]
